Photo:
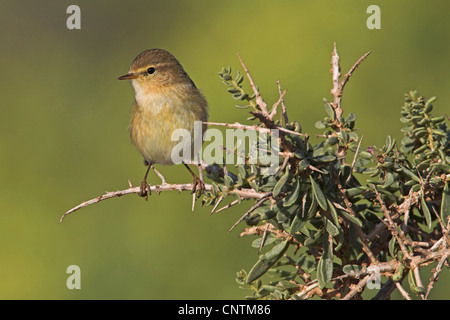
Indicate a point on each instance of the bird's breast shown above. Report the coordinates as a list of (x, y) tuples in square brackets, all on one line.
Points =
[(157, 113)]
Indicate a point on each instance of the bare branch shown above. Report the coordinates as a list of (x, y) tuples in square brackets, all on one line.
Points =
[(253, 208), (228, 206), (283, 107), (275, 106), (216, 205), (259, 101), (435, 275), (254, 127), (402, 291), (352, 69), (244, 192), (354, 159)]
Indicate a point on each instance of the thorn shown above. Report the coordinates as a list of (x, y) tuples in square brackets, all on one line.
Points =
[(258, 204), (227, 206), (216, 205), (263, 239), (129, 183)]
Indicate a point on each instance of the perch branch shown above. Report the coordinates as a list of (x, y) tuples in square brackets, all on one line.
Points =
[(245, 193), (254, 127)]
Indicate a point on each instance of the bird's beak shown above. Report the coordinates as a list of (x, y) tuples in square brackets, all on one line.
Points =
[(128, 76)]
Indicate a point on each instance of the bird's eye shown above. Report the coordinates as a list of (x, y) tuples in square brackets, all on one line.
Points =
[(151, 70)]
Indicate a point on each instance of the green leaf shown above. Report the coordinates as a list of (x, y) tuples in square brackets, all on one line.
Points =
[(420, 149), (445, 204), (333, 212), (425, 211), (297, 224), (390, 144), (237, 96), (325, 158), (266, 261), (312, 241), (280, 183), (392, 243), (428, 104), (238, 74), (388, 180), (412, 283), (318, 194), (325, 265), (306, 262), (349, 268), (257, 242), (397, 276), (410, 174), (351, 218), (329, 109), (303, 165), (350, 118), (313, 207), (331, 228), (228, 181), (239, 79), (293, 196), (352, 192), (320, 125), (364, 155), (233, 90), (344, 136), (332, 140)]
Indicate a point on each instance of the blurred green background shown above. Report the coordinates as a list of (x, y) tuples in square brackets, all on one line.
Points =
[(63, 128)]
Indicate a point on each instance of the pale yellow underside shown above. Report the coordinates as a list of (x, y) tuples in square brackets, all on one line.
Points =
[(158, 112)]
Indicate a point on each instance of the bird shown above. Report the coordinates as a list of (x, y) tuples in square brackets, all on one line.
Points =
[(166, 99)]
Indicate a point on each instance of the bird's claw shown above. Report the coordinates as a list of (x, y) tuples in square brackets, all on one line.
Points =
[(198, 187), (145, 190)]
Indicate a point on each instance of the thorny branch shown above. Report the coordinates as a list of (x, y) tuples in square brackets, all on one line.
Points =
[(415, 254), (245, 193)]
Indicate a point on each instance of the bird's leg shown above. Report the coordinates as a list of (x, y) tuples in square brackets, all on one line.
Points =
[(145, 187), (198, 185)]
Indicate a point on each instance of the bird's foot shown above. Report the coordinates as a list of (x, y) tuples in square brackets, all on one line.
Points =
[(145, 190), (198, 187)]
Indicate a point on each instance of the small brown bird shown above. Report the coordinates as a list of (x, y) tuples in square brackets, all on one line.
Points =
[(166, 99)]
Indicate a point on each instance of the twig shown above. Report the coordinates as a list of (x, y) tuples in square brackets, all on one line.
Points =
[(402, 291), (275, 106), (435, 275), (253, 208), (336, 75), (193, 201), (228, 206), (279, 234), (259, 101), (357, 288), (253, 127), (392, 226), (390, 266), (361, 234), (283, 107), (163, 179), (244, 192), (419, 283), (263, 239), (352, 69), (338, 90), (216, 205), (354, 160)]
